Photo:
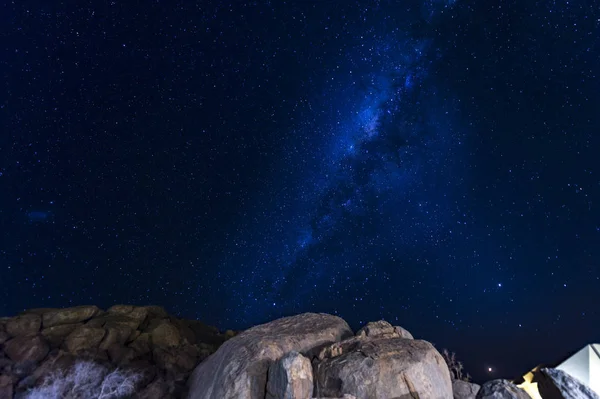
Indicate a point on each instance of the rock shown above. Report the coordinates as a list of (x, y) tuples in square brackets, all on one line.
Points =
[(382, 329), (238, 369), (553, 383), (157, 389), (290, 377), (4, 362), (27, 348), (385, 368), (6, 387), (84, 337), (115, 334), (134, 335), (27, 324), (133, 312), (4, 337), (154, 313), (141, 345), (57, 334), (464, 390), (165, 335), (120, 355), (172, 360), (26, 383), (72, 315), (501, 389), (113, 320), (38, 311), (24, 368)]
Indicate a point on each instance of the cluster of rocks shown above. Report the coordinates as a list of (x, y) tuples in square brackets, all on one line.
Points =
[(299, 357), (318, 355), (144, 339)]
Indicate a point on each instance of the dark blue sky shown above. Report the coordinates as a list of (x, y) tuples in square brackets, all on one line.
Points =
[(433, 163)]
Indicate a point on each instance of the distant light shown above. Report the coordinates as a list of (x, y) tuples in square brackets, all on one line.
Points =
[(490, 369), (499, 284)]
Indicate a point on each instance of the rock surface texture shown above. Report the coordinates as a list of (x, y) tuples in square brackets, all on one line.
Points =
[(464, 390), (385, 368), (501, 389), (239, 368)]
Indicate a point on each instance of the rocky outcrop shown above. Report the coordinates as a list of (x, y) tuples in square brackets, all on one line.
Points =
[(501, 389), (144, 339), (464, 390), (272, 361), (386, 368), (239, 368)]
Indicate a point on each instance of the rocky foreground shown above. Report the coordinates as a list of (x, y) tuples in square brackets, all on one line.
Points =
[(300, 357)]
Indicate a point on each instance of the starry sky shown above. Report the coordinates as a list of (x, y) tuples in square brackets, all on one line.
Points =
[(433, 163)]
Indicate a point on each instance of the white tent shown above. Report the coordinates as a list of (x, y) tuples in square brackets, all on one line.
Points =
[(585, 366)]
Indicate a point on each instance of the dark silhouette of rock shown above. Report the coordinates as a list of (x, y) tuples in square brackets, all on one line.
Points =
[(27, 324), (56, 335), (84, 337), (72, 315)]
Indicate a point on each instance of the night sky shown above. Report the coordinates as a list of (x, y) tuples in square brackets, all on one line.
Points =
[(434, 163)]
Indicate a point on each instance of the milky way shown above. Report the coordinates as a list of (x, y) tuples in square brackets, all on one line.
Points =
[(433, 163), (376, 158)]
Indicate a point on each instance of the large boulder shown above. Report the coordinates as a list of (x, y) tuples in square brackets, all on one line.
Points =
[(27, 349), (55, 317), (26, 324), (501, 389), (464, 389), (569, 387), (290, 377), (383, 368), (239, 367)]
